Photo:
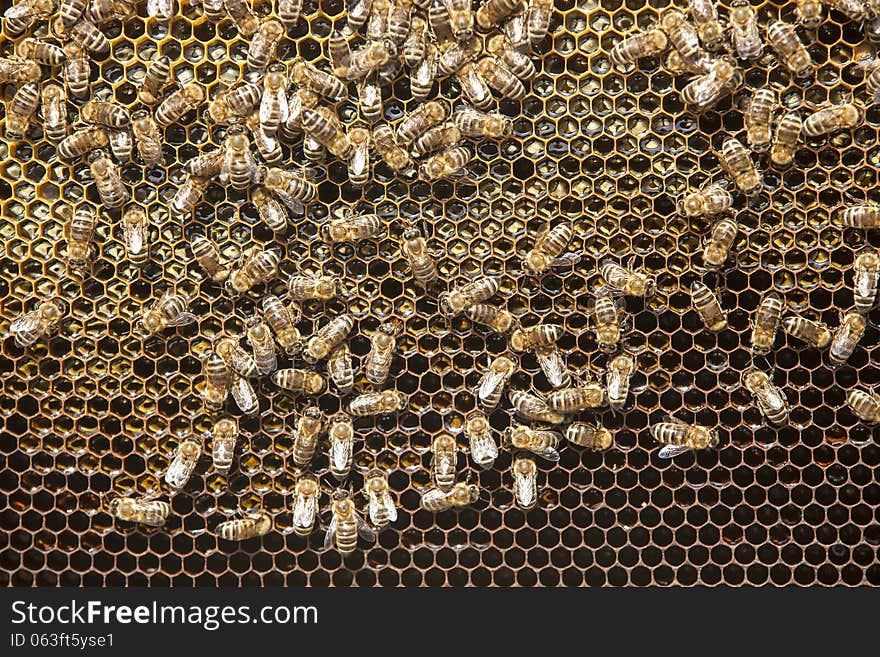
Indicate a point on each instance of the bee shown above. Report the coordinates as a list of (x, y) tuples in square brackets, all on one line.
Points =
[(626, 281), (324, 84), (717, 248), (322, 288), (579, 398), (267, 145), (322, 125), (75, 70), (239, 168), (472, 122), (808, 13), (534, 407), (370, 96), (167, 312), (452, 56), (121, 144), (768, 397), (852, 9), (289, 11), (328, 336), (620, 370), (436, 138), (829, 118), (86, 34), (208, 256), (516, 61), (304, 381), (537, 337), (341, 447), (269, 209), (264, 44), (223, 437), (22, 15), (238, 102), (309, 428), (736, 160), (606, 322), (682, 37), (710, 200), (638, 45), (346, 524), (413, 47), (70, 11), (380, 503), (500, 78), (744, 30), (377, 403), (461, 18), (461, 298), (254, 523), (80, 230), (256, 267), (143, 510), (866, 271), (307, 494), (594, 436), (383, 344), (104, 11), (155, 80), (445, 164), (136, 234), (459, 496), (352, 228), (31, 326), (340, 53), (498, 320), (679, 437), (20, 71), (758, 117), (109, 184), (359, 161), (482, 444), (443, 460), (340, 368), (41, 52), (862, 215), (216, 382), (149, 138), (243, 16), (871, 68), (419, 121), (814, 333), (540, 442), (274, 108), (206, 165), (282, 320), (492, 12), (438, 18), (547, 249), (538, 12), (525, 481), (399, 20), (360, 63), (109, 115), (788, 133), (259, 337), (183, 464), (474, 87), (236, 357), (847, 336), (390, 151), (421, 262), (789, 48), (766, 323), (21, 110), (291, 184), (244, 395), (709, 29), (865, 405), (493, 381), (312, 149), (173, 108)]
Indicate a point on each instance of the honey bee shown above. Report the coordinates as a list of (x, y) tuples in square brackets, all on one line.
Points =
[(206, 165), (322, 288), (346, 524), (579, 398), (461, 298), (436, 138), (498, 320), (533, 407), (155, 80), (121, 144), (352, 228), (808, 13), (399, 20), (847, 336), (717, 248), (143, 510), (871, 68), (223, 437), (183, 464), (758, 117), (516, 61), (304, 381), (638, 45), (538, 12), (682, 37), (709, 28), (461, 18), (75, 70), (208, 256), (377, 403), (307, 494), (744, 30), (606, 322), (70, 11), (256, 267), (283, 182), (459, 496), (327, 337), (235, 103), (712, 199), (149, 138), (482, 444), (237, 358), (85, 33), (421, 119), (324, 84), (239, 168), (383, 344), (547, 249), (536, 337), (136, 234), (438, 18), (766, 323), (167, 312), (594, 436), (340, 368), (788, 133), (108, 182), (359, 161), (243, 16), (380, 503), (525, 481), (736, 160), (274, 108), (620, 370), (829, 118), (264, 44), (253, 524), (390, 151), (259, 337), (80, 230), (443, 461), (862, 215), (626, 281), (360, 63), (173, 108), (289, 11), (768, 397), (445, 164), (813, 333), (244, 395), (678, 437), (493, 381), (41, 52), (852, 9), (452, 56), (708, 308), (22, 15), (413, 48), (309, 427), (341, 436), (31, 326), (789, 48), (865, 405), (21, 110), (267, 145), (322, 125), (104, 11), (282, 321), (500, 78), (269, 209), (866, 271), (540, 442), (109, 115), (472, 122), (189, 194), (421, 261), (20, 71), (492, 12), (370, 96), (216, 382)]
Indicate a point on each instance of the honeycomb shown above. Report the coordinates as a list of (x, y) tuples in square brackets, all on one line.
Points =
[(95, 411)]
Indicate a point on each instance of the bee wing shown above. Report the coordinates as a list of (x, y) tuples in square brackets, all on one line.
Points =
[(244, 395), (524, 488), (340, 450), (25, 323), (671, 451), (364, 530), (183, 319), (390, 507), (553, 367), (490, 381), (774, 398), (445, 464), (548, 453), (566, 260), (134, 237), (304, 511), (331, 533)]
